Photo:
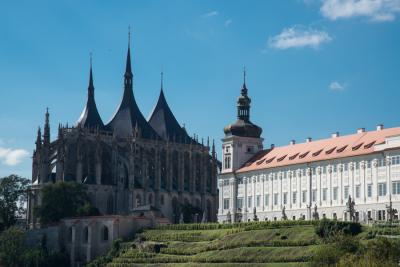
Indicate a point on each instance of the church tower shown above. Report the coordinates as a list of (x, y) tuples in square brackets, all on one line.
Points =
[(243, 138)]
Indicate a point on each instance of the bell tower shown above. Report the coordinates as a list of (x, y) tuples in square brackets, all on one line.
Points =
[(243, 138)]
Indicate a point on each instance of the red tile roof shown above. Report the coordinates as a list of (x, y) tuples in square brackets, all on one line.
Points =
[(326, 149)]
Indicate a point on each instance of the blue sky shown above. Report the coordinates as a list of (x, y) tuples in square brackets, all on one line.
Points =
[(313, 67)]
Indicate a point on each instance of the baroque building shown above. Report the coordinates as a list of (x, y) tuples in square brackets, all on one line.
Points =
[(307, 180), (130, 163)]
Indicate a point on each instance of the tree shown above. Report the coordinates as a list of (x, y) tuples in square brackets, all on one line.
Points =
[(12, 247), (64, 199), (12, 199)]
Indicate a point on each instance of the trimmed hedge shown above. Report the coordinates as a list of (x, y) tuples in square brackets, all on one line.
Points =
[(246, 225)]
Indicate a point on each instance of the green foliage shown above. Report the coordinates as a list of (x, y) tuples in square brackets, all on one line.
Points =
[(245, 225), (329, 228), (326, 255), (13, 252), (12, 196), (189, 212), (114, 252), (12, 247), (71, 198)]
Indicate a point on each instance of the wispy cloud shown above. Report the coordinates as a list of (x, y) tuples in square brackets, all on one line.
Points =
[(228, 22), (336, 86), (12, 157), (375, 10), (210, 14), (297, 37)]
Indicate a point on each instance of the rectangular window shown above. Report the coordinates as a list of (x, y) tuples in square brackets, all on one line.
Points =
[(304, 196), (275, 199), (314, 195), (239, 203), (346, 192), (396, 160), (335, 193), (334, 168), (294, 197), (227, 162), (368, 164), (324, 194), (284, 198), (358, 191), (381, 163), (369, 190), (267, 200), (249, 202), (396, 188), (226, 182), (258, 201), (313, 171), (382, 189), (226, 203), (345, 167)]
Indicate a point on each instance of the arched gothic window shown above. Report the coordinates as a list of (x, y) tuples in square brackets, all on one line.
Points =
[(104, 233), (86, 234)]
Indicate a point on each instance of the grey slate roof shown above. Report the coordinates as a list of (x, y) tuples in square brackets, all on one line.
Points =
[(165, 124), (128, 114), (90, 117)]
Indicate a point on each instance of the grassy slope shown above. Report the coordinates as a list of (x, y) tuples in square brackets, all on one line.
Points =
[(289, 246)]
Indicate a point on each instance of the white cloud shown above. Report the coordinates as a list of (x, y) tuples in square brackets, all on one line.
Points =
[(228, 22), (336, 86), (375, 10), (210, 14), (299, 37), (12, 157)]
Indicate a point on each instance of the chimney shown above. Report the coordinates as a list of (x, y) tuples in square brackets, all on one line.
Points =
[(335, 134), (379, 127), (272, 146), (308, 140), (361, 130), (293, 142)]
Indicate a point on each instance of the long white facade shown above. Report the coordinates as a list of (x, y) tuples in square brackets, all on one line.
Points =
[(371, 180)]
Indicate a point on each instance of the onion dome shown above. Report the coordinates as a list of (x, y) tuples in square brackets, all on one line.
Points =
[(243, 127)]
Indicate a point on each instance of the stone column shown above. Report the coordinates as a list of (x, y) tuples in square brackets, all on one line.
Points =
[(221, 197), (388, 181)]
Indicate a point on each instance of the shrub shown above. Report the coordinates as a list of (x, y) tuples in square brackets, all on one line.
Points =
[(328, 228), (326, 255)]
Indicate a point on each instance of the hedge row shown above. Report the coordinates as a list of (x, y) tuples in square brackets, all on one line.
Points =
[(246, 225)]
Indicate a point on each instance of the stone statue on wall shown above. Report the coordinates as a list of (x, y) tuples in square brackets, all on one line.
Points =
[(390, 210), (315, 214), (284, 216), (351, 209), (255, 218)]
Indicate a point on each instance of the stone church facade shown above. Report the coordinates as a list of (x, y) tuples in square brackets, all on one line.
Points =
[(130, 162)]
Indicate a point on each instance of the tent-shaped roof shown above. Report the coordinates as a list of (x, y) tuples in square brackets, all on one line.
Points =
[(128, 115), (165, 124), (90, 117)]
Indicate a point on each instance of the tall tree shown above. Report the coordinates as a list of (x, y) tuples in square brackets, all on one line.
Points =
[(64, 199), (12, 199)]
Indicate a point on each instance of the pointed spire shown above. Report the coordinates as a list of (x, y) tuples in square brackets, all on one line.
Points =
[(91, 86), (244, 88), (46, 134), (128, 69), (213, 148), (39, 139), (162, 80)]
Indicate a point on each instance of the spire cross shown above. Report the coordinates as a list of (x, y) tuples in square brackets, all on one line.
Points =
[(162, 79), (129, 35), (244, 75)]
